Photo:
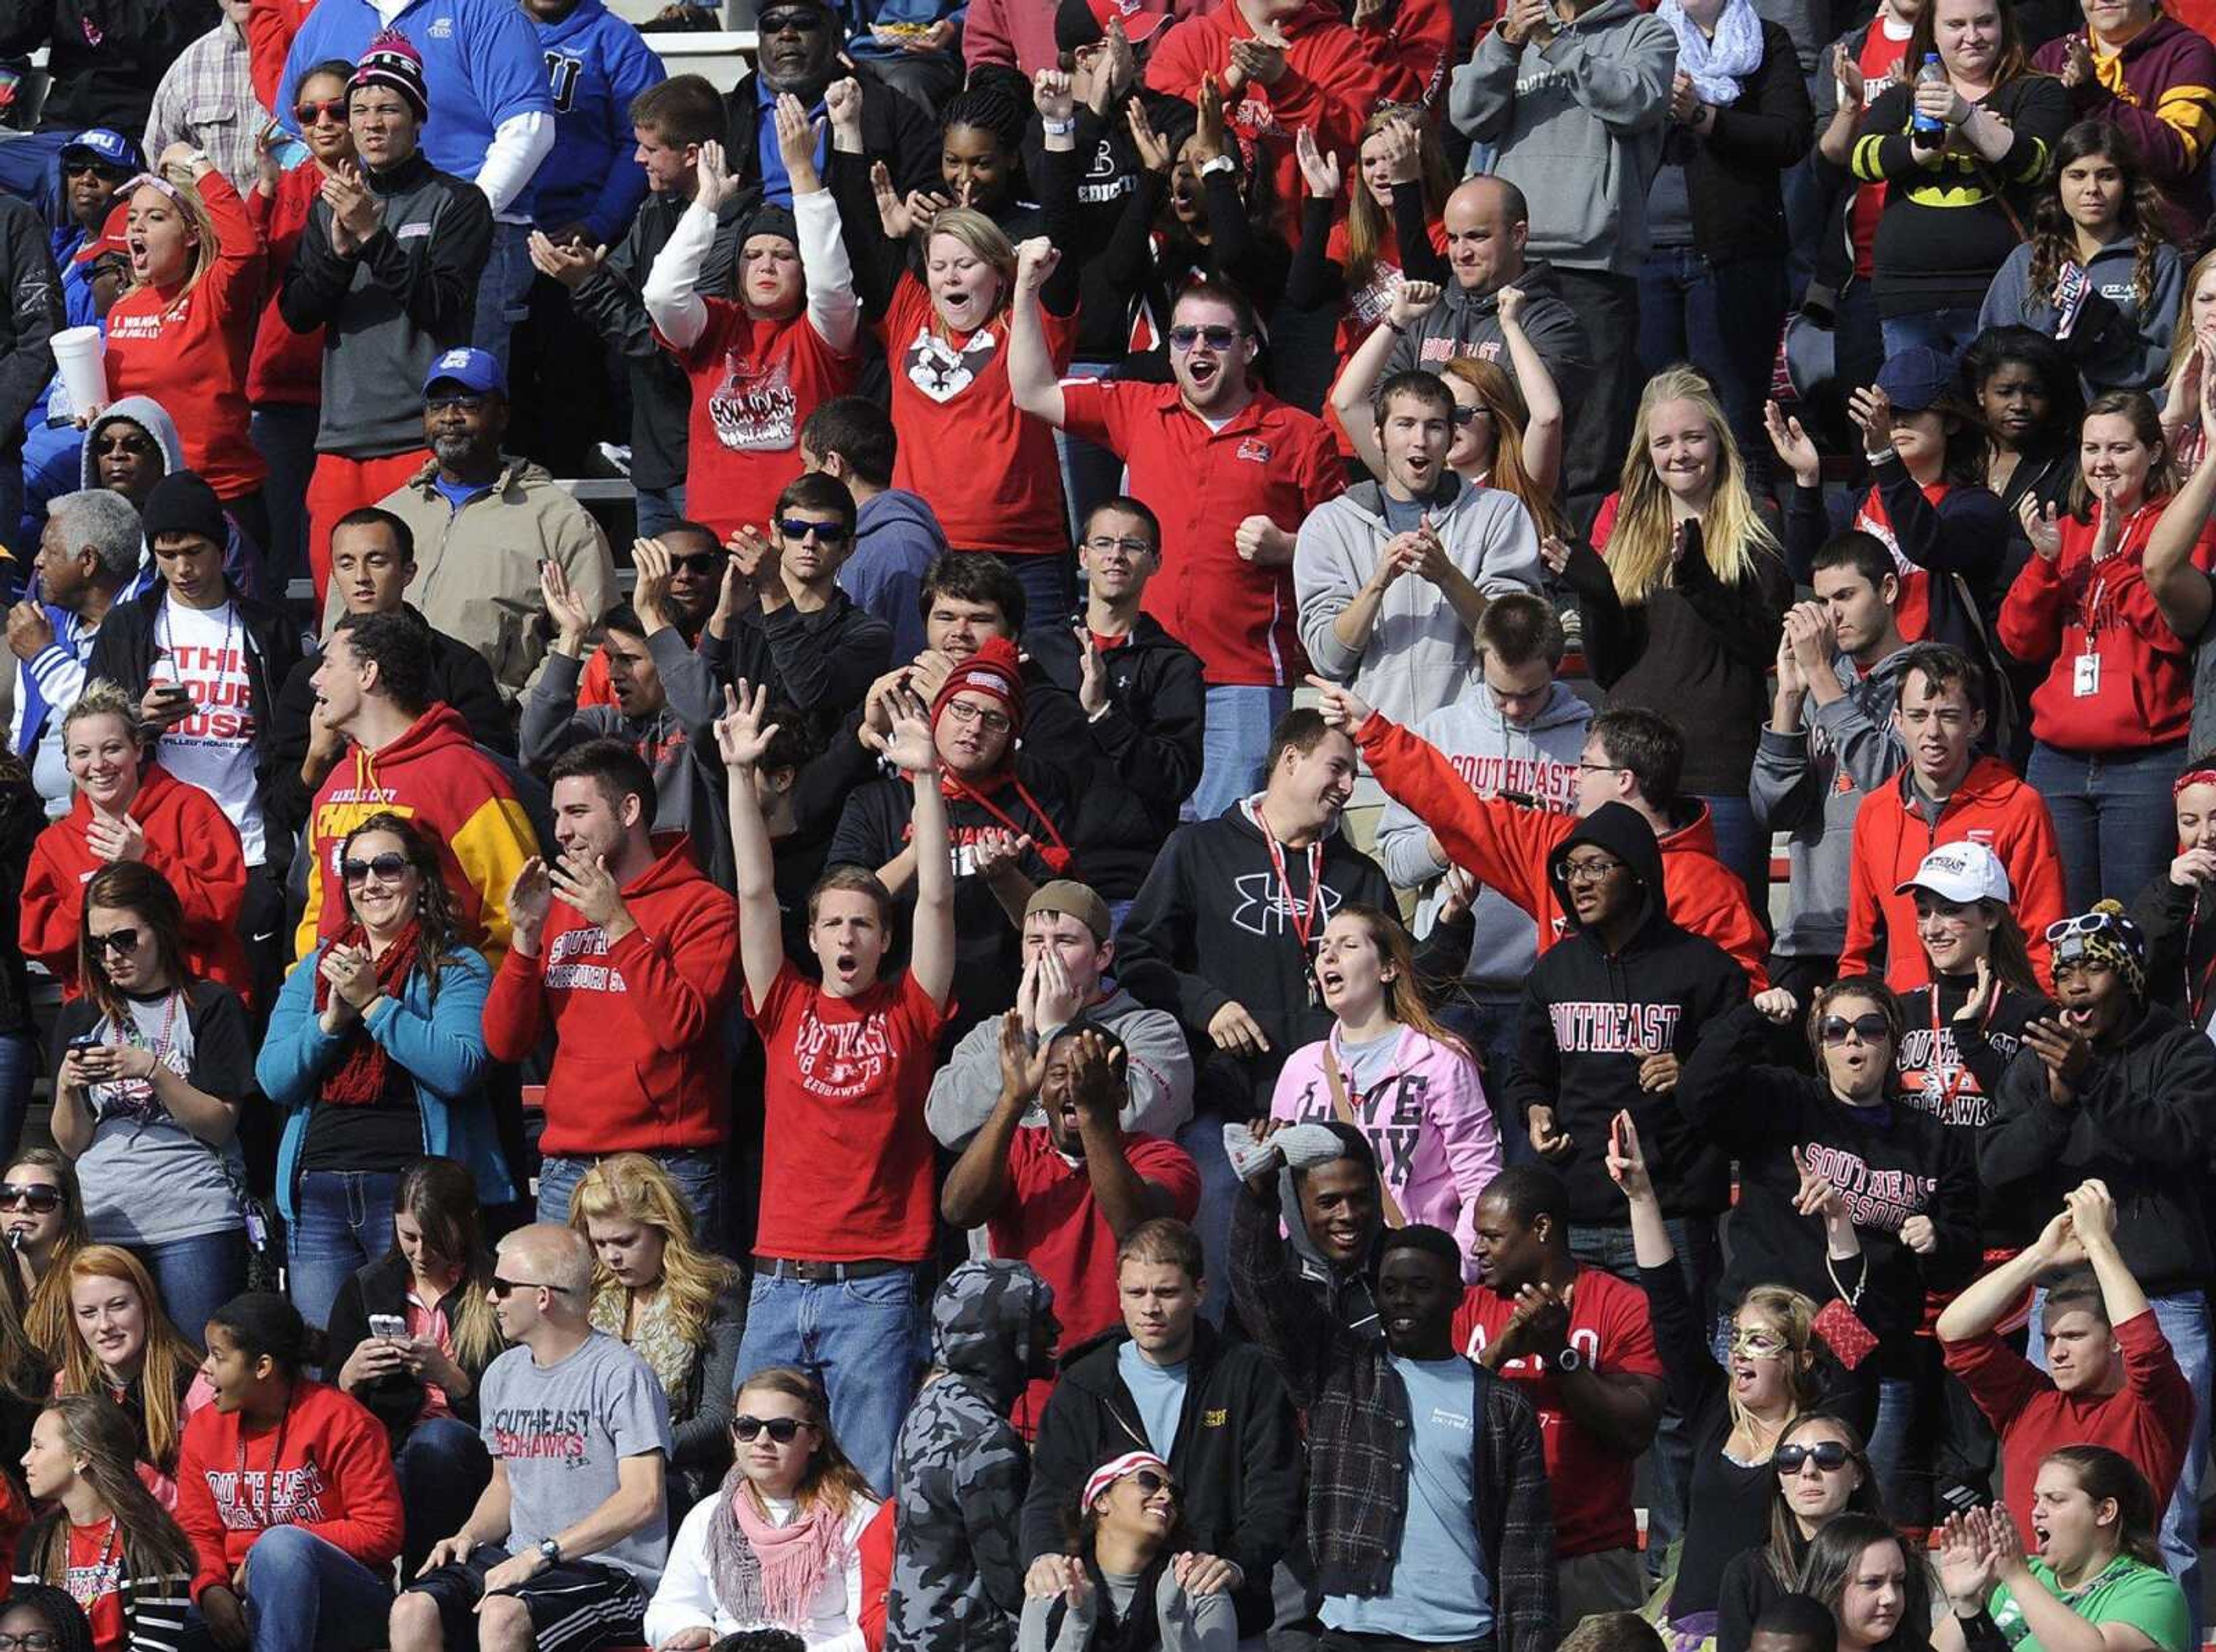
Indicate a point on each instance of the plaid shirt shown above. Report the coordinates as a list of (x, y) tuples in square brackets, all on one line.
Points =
[(1359, 1425), (206, 99)]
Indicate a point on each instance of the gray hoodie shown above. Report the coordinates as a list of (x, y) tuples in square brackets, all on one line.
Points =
[(1812, 784), (1160, 1067), (1537, 761), (2117, 343), (1466, 324), (242, 559), (1579, 123)]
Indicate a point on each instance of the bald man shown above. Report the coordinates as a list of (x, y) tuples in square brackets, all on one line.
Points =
[(579, 1433)]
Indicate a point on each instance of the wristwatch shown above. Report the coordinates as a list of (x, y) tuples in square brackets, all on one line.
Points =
[(1569, 1359), (549, 1551)]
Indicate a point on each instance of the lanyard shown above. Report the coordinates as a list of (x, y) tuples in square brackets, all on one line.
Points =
[(1302, 922), (1941, 1096), (269, 1481), (2089, 614)]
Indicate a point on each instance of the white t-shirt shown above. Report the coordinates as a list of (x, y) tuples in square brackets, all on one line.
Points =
[(213, 749)]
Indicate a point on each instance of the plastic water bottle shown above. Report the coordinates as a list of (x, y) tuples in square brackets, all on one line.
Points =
[(1934, 73)]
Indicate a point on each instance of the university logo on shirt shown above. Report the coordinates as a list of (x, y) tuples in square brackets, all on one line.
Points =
[(1255, 450), (541, 1434), (1603, 1027), (840, 1060), (942, 372), (590, 941), (258, 1498), (753, 409), (1876, 1198)]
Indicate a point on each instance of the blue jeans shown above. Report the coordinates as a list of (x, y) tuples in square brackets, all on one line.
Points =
[(1889, 1440), (19, 1065), (1201, 1138), (1726, 317), (864, 1339), (285, 435), (660, 509), (504, 289), (699, 1176), (2113, 817), (442, 1467), (196, 1276), (1050, 583), (304, 1594), (1946, 331), (1742, 845), (1234, 747), (1090, 475), (341, 1222)]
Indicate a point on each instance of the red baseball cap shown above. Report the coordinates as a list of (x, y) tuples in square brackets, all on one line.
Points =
[(1079, 23), (111, 236)]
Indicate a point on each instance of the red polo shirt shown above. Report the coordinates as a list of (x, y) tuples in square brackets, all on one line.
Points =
[(1269, 460)]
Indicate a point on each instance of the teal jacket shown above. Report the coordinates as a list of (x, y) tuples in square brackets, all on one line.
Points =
[(441, 1044)]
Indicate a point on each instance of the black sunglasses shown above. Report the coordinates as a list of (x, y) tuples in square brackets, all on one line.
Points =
[(826, 533), (114, 941), (1830, 1455), (504, 1288), (1150, 1482), (1463, 416), (388, 867), (782, 1430), (699, 561), (37, 1197), (1833, 1029)]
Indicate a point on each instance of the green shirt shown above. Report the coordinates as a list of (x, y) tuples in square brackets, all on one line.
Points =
[(2126, 1591)]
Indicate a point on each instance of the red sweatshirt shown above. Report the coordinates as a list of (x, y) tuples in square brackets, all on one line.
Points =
[(286, 367), (1333, 77), (2067, 612), (1506, 847), (189, 841), (1991, 806), (270, 26), (2148, 1421), (188, 347), (639, 1062), (326, 1468)]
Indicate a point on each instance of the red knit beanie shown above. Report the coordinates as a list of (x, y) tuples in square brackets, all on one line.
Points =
[(993, 670)]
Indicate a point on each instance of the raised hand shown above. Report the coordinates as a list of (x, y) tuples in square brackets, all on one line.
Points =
[(1508, 306), (741, 738), (1626, 1157), (1342, 708), (909, 743), (1092, 674), (1816, 1196), (1777, 1005), (564, 607), (998, 851), (1209, 132), (1849, 75), (2042, 525), (1052, 96), (529, 898), (2065, 1053), (1318, 168), (1414, 300), (1871, 409), (1260, 57), (2092, 1211), (715, 184), (796, 137), (649, 598), (1023, 1069), (842, 107), (1036, 260), (1795, 448), (586, 883), (1155, 153)]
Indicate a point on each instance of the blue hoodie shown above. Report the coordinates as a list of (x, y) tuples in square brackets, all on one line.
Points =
[(597, 63), (897, 538)]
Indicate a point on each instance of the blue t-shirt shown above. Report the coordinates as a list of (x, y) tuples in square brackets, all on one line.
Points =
[(1440, 1591), (1159, 1392), (459, 494)]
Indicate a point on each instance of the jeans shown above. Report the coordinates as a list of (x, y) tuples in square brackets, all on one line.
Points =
[(1858, 338), (2114, 822), (1050, 583), (1946, 331), (284, 433), (442, 1466), (660, 509), (1700, 1261), (1607, 305), (1235, 745), (1090, 475), (304, 1594), (699, 1174), (504, 289), (1725, 318), (1890, 1459), (863, 1340), (341, 1222), (19, 1065), (196, 1276), (1201, 1138), (1743, 846), (1486, 1023)]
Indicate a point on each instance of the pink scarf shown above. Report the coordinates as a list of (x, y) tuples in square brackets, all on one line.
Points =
[(765, 1573)]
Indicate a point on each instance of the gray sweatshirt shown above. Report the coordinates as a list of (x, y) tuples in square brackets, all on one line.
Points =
[(1812, 784), (1464, 323), (1160, 1067), (2117, 343), (1207, 1623), (1579, 123)]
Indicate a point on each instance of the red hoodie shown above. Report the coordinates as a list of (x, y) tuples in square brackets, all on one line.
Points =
[(433, 775), (1333, 77), (189, 841), (286, 367), (1506, 847), (326, 1468), (270, 26), (1991, 806), (638, 1060)]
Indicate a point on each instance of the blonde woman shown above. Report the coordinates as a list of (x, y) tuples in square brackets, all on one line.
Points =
[(2192, 351), (183, 333), (1684, 615), (676, 1305), (126, 1351)]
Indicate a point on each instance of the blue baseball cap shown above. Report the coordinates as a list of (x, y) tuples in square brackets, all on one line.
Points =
[(1916, 378), (475, 370), (109, 148)]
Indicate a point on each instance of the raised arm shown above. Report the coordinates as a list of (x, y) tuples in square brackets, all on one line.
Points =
[(2181, 591), (742, 740), (1542, 398), (979, 1181), (834, 311), (1353, 396), (931, 947), (671, 295), (1032, 381)]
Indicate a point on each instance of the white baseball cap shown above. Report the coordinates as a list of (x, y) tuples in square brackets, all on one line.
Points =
[(1962, 873)]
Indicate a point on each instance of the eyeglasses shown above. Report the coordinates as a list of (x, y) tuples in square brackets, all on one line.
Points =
[(504, 1288), (1758, 1344), (1591, 870), (1216, 338), (114, 941), (1584, 767), (38, 1197), (826, 533), (1100, 544), (331, 108), (387, 869), (1833, 1029), (453, 403), (993, 722), (1463, 416), (33, 1640), (1830, 1455), (781, 1430), (699, 561)]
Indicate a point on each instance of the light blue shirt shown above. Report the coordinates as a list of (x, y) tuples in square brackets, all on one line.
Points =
[(1440, 1591), (1159, 1392)]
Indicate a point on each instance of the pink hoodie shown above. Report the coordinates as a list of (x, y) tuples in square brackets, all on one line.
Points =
[(1427, 1118)]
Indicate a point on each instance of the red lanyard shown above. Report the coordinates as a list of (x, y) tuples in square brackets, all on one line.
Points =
[(1302, 922), (1942, 1097)]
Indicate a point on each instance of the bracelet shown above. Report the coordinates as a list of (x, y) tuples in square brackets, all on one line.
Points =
[(1396, 327), (1058, 128)]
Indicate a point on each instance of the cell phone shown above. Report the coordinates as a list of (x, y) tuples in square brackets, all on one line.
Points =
[(85, 1041), (388, 1325)]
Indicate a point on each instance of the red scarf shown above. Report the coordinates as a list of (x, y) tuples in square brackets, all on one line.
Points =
[(359, 1078), (1055, 854)]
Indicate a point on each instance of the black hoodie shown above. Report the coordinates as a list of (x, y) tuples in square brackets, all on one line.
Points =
[(1589, 1017), (1209, 927), (1237, 1456)]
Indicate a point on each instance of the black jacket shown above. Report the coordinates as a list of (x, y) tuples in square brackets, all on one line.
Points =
[(394, 1400), (1734, 172), (1588, 1018), (29, 320), (1237, 1457), (459, 677), (106, 56), (2140, 1123), (1209, 927), (612, 300), (1891, 1161), (1955, 1072), (2181, 942), (822, 664), (1141, 758)]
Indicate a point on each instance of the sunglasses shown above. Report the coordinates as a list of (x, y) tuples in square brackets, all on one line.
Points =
[(1151, 1482), (1833, 1029), (37, 1197), (387, 867), (1216, 338), (331, 108), (826, 533), (698, 561), (781, 1430), (86, 164), (1830, 1455), (504, 1288), (450, 403), (1463, 416), (2085, 924), (114, 941)]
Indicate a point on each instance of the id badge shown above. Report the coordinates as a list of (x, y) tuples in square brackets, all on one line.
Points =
[(2085, 679)]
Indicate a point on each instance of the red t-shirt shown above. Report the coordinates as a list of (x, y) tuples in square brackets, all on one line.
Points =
[(846, 1156), (96, 1582), (1609, 1327), (989, 470), (755, 383), (1878, 56)]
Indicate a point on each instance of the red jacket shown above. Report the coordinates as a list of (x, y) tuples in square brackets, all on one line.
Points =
[(188, 347), (327, 1469), (1333, 77), (270, 26), (639, 1065), (286, 367), (1991, 806), (1506, 847), (2061, 613), (189, 841)]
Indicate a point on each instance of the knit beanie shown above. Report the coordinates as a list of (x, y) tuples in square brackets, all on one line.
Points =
[(182, 503), (993, 670), (393, 63), (769, 218), (2104, 936)]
